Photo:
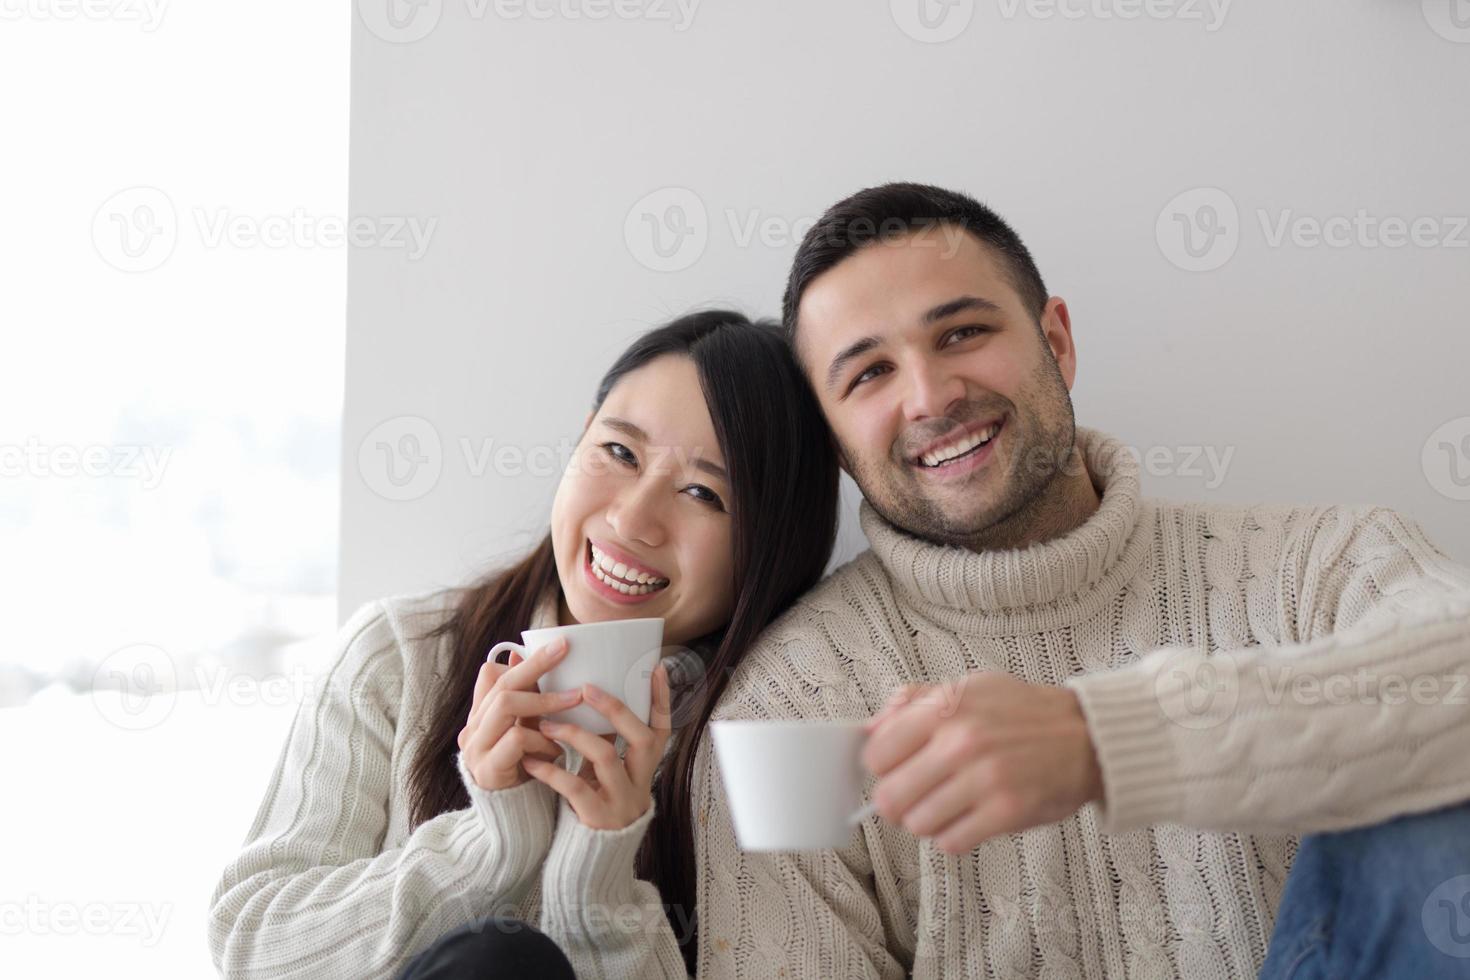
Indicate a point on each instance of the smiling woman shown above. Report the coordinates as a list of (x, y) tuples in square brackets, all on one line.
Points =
[(702, 492)]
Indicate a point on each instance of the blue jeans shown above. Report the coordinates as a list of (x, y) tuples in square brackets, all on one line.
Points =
[(1387, 902), (491, 948)]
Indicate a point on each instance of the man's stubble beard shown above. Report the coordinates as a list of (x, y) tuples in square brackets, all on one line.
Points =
[(1038, 439)]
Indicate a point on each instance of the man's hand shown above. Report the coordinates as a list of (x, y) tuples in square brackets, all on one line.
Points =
[(983, 755)]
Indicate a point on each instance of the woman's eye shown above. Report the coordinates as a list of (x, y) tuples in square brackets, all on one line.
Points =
[(700, 492), (621, 453)]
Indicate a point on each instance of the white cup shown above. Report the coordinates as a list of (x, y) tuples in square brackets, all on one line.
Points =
[(618, 655), (792, 785)]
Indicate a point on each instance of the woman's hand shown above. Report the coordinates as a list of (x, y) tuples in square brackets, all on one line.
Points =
[(610, 793), (501, 731)]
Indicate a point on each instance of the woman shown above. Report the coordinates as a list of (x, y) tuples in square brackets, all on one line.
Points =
[(416, 825)]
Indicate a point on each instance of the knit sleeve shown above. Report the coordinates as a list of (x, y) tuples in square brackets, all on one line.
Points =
[(609, 922), (771, 914), (1362, 717), (313, 893)]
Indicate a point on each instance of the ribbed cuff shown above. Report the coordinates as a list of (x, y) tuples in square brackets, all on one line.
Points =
[(1130, 728), (518, 824), (588, 868)]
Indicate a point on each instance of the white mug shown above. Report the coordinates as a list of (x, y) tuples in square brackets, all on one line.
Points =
[(618, 655), (792, 785)]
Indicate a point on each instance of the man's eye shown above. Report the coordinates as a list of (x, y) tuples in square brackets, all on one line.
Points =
[(704, 493), (867, 375), (621, 453), (964, 333)]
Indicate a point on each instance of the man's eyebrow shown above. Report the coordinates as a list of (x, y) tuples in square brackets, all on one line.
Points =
[(960, 305), (853, 350), (623, 425)]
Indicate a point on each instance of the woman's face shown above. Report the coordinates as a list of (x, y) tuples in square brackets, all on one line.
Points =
[(640, 523)]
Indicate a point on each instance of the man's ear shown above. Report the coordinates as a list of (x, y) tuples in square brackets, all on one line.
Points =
[(842, 463)]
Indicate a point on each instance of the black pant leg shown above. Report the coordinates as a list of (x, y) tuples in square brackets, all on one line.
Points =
[(491, 948)]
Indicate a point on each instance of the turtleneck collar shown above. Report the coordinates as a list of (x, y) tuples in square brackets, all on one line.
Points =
[(1085, 561)]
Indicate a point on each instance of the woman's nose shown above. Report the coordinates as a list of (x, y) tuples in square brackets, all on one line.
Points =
[(637, 515)]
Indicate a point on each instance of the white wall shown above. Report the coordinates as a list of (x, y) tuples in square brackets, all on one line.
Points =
[(533, 140)]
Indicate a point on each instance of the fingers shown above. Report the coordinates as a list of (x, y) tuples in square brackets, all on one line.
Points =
[(610, 770), (987, 819), (939, 806), (524, 675), (572, 787), (912, 781), (902, 733), (516, 745), (642, 759), (504, 707)]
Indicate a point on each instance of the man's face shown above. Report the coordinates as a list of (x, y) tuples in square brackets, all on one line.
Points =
[(919, 347)]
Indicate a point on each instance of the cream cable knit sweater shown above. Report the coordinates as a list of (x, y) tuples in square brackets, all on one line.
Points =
[(1191, 632), (331, 883), (1248, 674)]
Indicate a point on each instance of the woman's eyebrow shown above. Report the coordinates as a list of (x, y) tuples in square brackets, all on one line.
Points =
[(624, 426)]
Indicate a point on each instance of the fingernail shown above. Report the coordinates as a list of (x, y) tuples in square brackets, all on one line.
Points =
[(568, 697), (549, 726), (594, 693)]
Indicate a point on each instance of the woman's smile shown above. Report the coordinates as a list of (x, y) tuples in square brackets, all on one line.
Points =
[(618, 577)]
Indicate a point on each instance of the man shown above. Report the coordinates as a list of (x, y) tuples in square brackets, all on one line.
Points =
[(1103, 723)]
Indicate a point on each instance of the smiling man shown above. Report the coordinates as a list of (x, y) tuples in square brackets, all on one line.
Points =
[(1101, 729)]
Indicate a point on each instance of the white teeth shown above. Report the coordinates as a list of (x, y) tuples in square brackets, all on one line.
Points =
[(958, 449), (624, 578)]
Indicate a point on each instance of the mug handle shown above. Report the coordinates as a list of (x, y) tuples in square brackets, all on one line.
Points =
[(500, 648)]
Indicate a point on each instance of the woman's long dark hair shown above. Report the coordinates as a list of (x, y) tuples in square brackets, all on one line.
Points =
[(783, 476)]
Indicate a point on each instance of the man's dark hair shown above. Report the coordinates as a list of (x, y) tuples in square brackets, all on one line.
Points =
[(891, 210)]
